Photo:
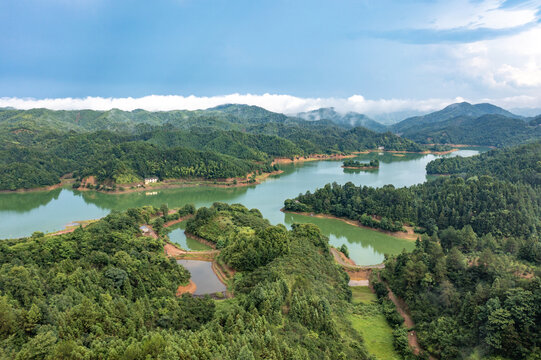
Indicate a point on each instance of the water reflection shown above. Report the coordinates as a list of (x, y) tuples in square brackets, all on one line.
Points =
[(23, 213)]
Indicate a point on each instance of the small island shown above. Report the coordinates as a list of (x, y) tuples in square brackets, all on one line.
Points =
[(354, 164)]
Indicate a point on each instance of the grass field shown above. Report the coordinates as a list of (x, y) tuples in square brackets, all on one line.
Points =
[(362, 294), (375, 330)]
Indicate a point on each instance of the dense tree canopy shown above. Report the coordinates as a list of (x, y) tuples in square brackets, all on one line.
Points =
[(39, 146), (105, 291), (472, 286), (516, 164)]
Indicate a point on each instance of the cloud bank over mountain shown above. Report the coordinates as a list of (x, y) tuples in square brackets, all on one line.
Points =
[(287, 104)]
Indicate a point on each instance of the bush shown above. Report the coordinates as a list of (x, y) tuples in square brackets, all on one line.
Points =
[(344, 250)]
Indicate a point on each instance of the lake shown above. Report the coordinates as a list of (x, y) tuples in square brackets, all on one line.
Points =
[(47, 211)]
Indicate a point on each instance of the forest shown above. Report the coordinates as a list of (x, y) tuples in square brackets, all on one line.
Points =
[(472, 283), (39, 146), (349, 163), (105, 291), (515, 164), (489, 130)]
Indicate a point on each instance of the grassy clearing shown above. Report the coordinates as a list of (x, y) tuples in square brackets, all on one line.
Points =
[(372, 325), (363, 294)]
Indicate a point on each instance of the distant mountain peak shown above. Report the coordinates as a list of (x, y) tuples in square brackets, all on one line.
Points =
[(462, 109)]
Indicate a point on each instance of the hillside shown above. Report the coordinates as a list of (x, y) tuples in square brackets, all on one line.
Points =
[(472, 282), (489, 130), (462, 109), (349, 119), (39, 146), (515, 164), (106, 292)]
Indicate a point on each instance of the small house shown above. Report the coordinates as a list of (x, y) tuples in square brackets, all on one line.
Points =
[(151, 180), (144, 229), (381, 147)]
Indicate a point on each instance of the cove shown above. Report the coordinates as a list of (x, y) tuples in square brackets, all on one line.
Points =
[(47, 211)]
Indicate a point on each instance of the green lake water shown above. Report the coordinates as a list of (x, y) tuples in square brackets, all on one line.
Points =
[(202, 275), (47, 211)]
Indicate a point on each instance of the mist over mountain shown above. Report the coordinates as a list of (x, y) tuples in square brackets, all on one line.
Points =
[(394, 117), (527, 112), (349, 119)]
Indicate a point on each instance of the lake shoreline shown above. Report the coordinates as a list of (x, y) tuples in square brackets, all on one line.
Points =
[(409, 235), (361, 168), (226, 183)]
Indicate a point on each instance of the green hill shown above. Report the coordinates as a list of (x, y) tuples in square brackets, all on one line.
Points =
[(490, 130)]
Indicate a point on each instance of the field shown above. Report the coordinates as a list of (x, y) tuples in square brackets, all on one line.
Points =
[(375, 330)]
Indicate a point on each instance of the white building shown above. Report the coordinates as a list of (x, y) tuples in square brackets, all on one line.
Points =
[(151, 180)]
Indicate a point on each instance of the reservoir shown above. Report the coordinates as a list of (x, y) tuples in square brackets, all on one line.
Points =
[(202, 275), (47, 211)]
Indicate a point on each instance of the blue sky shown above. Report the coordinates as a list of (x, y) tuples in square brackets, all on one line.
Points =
[(384, 54)]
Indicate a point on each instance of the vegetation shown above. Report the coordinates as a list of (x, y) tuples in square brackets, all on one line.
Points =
[(490, 130), (373, 164), (463, 299), (463, 123), (516, 164), (473, 285), (487, 204), (368, 319), (39, 146), (105, 291)]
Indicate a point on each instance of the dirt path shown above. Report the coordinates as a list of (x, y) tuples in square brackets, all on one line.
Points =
[(408, 322), (359, 275), (172, 251), (349, 264), (179, 220), (150, 231), (340, 258)]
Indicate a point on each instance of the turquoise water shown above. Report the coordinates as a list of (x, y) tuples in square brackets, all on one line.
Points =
[(47, 211)]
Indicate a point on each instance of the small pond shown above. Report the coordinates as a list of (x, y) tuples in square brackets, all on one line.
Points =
[(202, 275), (178, 237)]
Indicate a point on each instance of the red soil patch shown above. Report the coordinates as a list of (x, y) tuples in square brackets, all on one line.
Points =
[(190, 289), (171, 250), (341, 258)]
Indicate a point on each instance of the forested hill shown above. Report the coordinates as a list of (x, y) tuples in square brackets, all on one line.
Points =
[(39, 146), (472, 283), (106, 292), (489, 130), (225, 117), (464, 123), (516, 164), (505, 203), (462, 109)]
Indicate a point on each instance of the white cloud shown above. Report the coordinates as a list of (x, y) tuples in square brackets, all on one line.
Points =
[(512, 62), (274, 102), (483, 14)]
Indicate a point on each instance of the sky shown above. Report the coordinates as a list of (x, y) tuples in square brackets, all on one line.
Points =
[(374, 57)]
